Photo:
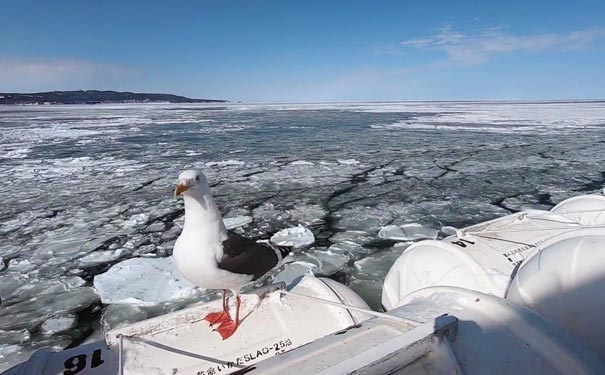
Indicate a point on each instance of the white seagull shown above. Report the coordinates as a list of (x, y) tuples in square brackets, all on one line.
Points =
[(212, 258)]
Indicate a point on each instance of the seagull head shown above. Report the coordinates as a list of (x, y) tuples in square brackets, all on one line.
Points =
[(192, 182)]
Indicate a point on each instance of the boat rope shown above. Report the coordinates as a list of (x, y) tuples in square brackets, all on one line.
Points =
[(355, 308), (554, 221), (167, 348), (505, 240), (536, 229), (576, 211)]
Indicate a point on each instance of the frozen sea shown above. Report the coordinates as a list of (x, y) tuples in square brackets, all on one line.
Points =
[(88, 218)]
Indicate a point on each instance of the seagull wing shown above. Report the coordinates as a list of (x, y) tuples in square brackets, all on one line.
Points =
[(245, 256)]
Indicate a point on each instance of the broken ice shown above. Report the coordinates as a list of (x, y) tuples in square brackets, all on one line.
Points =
[(407, 232), (296, 237), (143, 282), (87, 188)]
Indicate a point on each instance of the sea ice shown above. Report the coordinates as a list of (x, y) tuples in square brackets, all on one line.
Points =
[(99, 257), (377, 265), (56, 325), (32, 312), (237, 221), (374, 164), (301, 162), (115, 316), (14, 337), (138, 219), (448, 230), (329, 261), (294, 270), (351, 236), (296, 237), (307, 214), (143, 282), (365, 219), (407, 232)]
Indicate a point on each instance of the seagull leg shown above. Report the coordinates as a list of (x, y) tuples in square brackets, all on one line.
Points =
[(226, 329), (219, 317)]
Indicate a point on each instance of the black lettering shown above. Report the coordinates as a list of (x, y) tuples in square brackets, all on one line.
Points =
[(75, 364), (96, 359), (459, 243), (265, 350)]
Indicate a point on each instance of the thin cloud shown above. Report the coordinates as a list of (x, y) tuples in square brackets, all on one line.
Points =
[(480, 47), (52, 74)]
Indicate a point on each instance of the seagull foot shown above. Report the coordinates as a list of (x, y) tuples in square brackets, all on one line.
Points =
[(217, 318), (226, 329)]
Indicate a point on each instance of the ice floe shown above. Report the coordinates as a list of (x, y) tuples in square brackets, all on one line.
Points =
[(237, 221), (298, 236), (407, 232), (143, 282), (55, 325), (294, 270)]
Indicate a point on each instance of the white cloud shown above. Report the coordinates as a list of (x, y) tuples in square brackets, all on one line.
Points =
[(479, 47), (56, 74)]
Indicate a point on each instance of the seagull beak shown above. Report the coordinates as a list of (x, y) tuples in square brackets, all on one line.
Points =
[(180, 189)]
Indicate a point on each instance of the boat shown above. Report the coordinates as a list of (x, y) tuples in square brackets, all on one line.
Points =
[(518, 294)]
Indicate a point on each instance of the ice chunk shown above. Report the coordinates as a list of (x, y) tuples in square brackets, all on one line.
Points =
[(329, 261), (237, 221), (307, 214), (32, 312), (23, 266), (56, 325), (366, 219), (143, 282), (14, 337), (138, 219), (377, 265), (225, 163), (354, 237), (293, 270), (268, 212), (297, 237), (99, 257), (116, 316), (158, 226), (448, 231), (301, 162), (407, 232), (348, 161)]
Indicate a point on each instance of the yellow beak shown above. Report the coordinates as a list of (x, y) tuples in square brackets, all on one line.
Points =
[(180, 189)]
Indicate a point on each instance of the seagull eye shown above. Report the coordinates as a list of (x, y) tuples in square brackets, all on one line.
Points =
[(197, 178)]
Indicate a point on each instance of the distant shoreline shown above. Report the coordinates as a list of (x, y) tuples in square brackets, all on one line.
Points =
[(96, 97)]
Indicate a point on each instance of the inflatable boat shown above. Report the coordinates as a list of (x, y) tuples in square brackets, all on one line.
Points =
[(519, 294)]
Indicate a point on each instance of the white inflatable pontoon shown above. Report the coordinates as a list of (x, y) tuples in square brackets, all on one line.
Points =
[(519, 294)]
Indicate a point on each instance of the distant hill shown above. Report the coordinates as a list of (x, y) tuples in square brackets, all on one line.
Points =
[(95, 97)]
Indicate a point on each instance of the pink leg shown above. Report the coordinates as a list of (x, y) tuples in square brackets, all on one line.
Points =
[(219, 317), (227, 329)]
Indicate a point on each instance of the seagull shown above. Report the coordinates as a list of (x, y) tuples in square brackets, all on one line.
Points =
[(210, 257)]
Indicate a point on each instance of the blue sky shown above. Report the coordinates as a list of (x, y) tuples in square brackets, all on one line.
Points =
[(307, 50)]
